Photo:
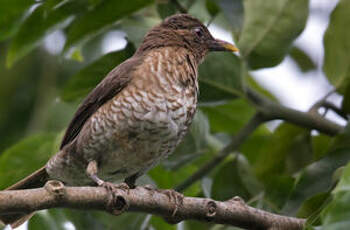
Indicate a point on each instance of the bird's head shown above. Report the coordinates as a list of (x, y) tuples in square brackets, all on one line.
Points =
[(183, 30)]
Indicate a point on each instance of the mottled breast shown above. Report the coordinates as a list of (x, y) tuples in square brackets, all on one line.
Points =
[(144, 122)]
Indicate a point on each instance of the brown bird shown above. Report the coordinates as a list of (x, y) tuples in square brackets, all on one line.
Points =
[(136, 116)]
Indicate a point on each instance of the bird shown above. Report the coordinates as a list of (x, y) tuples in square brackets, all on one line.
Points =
[(136, 116)]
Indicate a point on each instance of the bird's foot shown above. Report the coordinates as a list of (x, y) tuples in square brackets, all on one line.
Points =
[(150, 187), (125, 187), (116, 203), (174, 197), (111, 191), (110, 187)]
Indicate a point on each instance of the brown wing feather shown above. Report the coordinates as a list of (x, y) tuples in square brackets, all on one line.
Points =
[(111, 85)]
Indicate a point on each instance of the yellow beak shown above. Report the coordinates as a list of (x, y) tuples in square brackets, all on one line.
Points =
[(219, 45)]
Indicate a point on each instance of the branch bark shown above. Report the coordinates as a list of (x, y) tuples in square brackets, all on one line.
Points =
[(272, 110), (142, 199), (328, 106)]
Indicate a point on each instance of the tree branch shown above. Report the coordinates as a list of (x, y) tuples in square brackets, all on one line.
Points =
[(336, 109), (236, 141), (141, 199), (328, 105), (272, 110)]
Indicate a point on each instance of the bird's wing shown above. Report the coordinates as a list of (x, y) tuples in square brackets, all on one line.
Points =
[(111, 85)]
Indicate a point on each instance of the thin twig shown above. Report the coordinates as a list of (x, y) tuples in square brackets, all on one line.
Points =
[(323, 103), (236, 141), (233, 212), (319, 103), (336, 109), (328, 105)]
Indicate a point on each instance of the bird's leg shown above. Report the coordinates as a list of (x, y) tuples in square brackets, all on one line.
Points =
[(111, 188), (92, 170), (130, 181)]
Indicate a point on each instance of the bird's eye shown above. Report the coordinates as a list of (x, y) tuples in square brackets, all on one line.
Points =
[(199, 32)]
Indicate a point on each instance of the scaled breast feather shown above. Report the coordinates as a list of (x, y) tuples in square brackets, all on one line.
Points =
[(110, 86)]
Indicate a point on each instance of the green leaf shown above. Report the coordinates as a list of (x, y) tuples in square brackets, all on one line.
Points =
[(159, 223), (304, 62), (315, 178), (212, 7), (277, 190), (289, 149), (104, 14), (228, 182), (269, 29), (82, 219), (234, 13), (47, 219), (320, 145), (197, 225), (245, 170), (89, 220), (278, 156), (25, 157), (341, 141), (199, 10), (46, 18), (220, 77), (312, 207), (344, 183), (252, 148), (11, 14), (336, 63), (337, 213), (87, 78), (225, 118), (166, 9)]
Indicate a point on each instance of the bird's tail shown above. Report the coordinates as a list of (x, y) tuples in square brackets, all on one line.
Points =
[(35, 180)]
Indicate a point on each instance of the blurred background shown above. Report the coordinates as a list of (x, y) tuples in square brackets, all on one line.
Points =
[(53, 52)]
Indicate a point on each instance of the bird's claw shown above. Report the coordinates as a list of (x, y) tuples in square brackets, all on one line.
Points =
[(175, 197), (116, 204), (124, 186), (111, 190), (110, 187)]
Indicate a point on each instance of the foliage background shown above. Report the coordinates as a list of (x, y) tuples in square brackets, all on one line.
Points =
[(288, 170)]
